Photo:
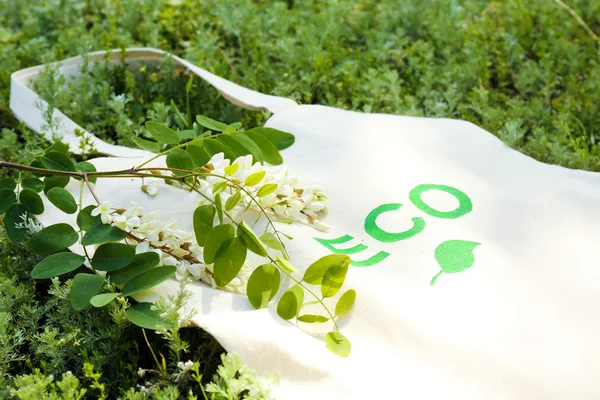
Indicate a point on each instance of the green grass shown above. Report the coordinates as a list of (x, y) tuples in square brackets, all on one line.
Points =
[(527, 71)]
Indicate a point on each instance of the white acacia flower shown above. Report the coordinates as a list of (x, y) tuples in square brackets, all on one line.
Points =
[(126, 224), (104, 211), (150, 190), (184, 267)]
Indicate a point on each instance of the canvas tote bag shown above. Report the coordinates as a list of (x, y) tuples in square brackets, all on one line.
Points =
[(475, 266)]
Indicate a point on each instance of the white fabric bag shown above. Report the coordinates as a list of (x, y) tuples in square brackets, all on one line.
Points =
[(513, 316)]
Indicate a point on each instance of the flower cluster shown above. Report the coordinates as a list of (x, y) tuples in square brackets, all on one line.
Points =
[(285, 197), (175, 246)]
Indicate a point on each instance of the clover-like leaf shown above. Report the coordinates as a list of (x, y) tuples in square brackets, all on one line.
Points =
[(162, 133), (100, 300), (281, 140), (103, 233), (454, 256), (55, 181), (62, 199), (263, 285), (180, 159), (312, 319), (249, 238), (57, 161), (8, 198), (148, 279), (33, 183), (229, 261), (32, 201), (146, 144), (219, 235), (83, 288), (345, 303), (112, 256), (52, 239), (338, 344), (142, 315), (57, 264), (210, 123), (333, 279), (290, 303), (141, 263), (316, 271)]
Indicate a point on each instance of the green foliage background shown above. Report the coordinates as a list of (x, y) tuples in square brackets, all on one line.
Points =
[(524, 70)]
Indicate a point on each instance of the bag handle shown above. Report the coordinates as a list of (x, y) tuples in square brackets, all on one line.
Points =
[(27, 105)]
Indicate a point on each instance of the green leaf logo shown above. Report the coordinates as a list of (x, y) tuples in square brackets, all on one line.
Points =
[(454, 256)]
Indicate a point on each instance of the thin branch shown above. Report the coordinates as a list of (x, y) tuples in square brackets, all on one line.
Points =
[(579, 20)]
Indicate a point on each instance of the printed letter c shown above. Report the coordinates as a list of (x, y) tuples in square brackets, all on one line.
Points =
[(384, 236)]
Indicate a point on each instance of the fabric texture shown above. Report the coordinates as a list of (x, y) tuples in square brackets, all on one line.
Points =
[(474, 265)]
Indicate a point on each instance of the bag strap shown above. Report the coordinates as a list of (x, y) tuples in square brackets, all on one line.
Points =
[(27, 105)]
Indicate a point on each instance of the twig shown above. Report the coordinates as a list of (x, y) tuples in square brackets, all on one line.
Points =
[(578, 19)]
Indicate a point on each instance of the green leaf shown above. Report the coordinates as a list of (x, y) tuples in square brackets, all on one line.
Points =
[(141, 263), (210, 123), (8, 184), (250, 240), (57, 264), (186, 134), (232, 201), (204, 219), (85, 166), (148, 279), (59, 146), (188, 85), (162, 133), (146, 144), (236, 147), (33, 183), (249, 144), (219, 235), (454, 256), (52, 239), (315, 273), (62, 199), (271, 240), (32, 201), (219, 187), (333, 279), (85, 220), (219, 207), (13, 217), (263, 285), (112, 256), (213, 146), (33, 149), (269, 151), (179, 159), (55, 181), (255, 178), (338, 344), (229, 261), (286, 265), (57, 161), (281, 140), (100, 300), (199, 156), (345, 303), (8, 198), (266, 189), (312, 318), (290, 303), (103, 233), (83, 288), (142, 315)]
